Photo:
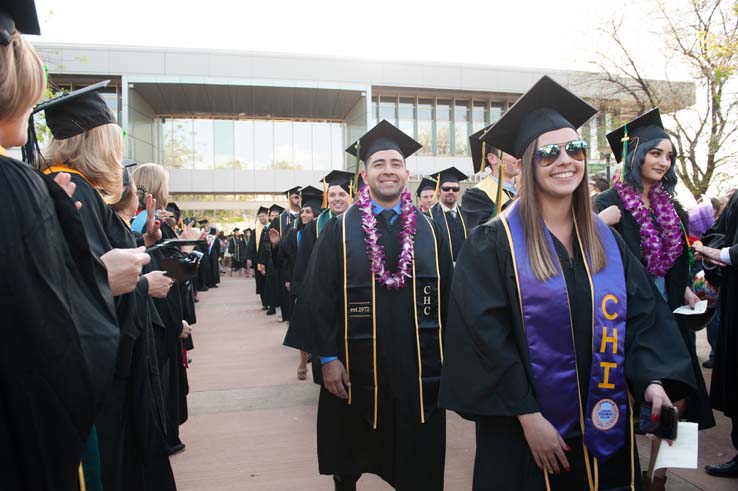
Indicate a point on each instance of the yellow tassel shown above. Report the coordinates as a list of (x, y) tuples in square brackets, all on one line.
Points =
[(483, 163), (499, 189), (325, 195), (438, 187), (351, 192), (81, 473)]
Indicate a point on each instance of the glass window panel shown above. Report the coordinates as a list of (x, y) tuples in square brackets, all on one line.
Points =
[(322, 159), (203, 132), (495, 112), (244, 144), (303, 145), (443, 127), (406, 111), (375, 110), (461, 128), (387, 109), (337, 146), (223, 145), (283, 158), (425, 126), (479, 116), (178, 148), (263, 144)]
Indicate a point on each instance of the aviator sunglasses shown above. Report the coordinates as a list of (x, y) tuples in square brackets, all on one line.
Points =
[(446, 189), (547, 154)]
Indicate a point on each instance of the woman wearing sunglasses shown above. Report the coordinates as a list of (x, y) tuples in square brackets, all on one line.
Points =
[(553, 322), (653, 226)]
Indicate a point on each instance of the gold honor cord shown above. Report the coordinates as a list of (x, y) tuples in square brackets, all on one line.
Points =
[(358, 164), (438, 187), (483, 162), (81, 474), (345, 308), (438, 286), (374, 347), (417, 344), (498, 200), (324, 204)]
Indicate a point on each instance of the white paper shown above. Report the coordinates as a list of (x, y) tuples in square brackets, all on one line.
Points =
[(699, 308), (683, 453)]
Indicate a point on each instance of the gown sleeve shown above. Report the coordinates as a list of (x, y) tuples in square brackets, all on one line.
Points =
[(478, 208), (484, 372)]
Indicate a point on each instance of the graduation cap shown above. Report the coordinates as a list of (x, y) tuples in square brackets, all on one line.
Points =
[(276, 207), (75, 112), (291, 191), (174, 210), (204, 221), (339, 178), (262, 209), (384, 136), (452, 174), (547, 106), (425, 183), (18, 15), (236, 230), (645, 127), (311, 197), (480, 150)]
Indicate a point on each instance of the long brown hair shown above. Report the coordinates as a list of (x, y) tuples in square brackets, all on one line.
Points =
[(22, 77), (540, 257)]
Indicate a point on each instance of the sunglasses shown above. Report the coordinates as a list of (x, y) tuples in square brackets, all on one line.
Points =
[(547, 154), (447, 189)]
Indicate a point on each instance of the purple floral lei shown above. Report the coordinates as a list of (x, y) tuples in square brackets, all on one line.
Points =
[(661, 244), (375, 251)]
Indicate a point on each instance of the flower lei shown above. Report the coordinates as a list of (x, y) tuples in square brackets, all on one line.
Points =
[(378, 262), (661, 244)]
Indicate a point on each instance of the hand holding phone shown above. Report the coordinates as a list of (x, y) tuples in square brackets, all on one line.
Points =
[(664, 427)]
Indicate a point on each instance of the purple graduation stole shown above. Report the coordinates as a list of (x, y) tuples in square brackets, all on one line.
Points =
[(547, 324)]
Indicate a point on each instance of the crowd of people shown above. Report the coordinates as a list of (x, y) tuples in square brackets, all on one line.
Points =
[(539, 305)]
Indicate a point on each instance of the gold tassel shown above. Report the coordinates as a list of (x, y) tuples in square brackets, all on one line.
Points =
[(483, 163), (325, 195), (81, 473), (438, 187), (499, 188)]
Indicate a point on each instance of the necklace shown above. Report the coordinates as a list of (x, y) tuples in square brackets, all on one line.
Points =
[(377, 259), (661, 242)]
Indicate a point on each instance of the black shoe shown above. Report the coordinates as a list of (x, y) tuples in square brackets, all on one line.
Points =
[(728, 469), (708, 364), (178, 448), (271, 311), (203, 289), (264, 307), (345, 483)]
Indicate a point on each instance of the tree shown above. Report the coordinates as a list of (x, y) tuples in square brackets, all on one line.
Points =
[(703, 37)]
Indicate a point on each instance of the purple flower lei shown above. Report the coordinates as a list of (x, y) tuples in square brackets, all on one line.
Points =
[(661, 244), (378, 262)]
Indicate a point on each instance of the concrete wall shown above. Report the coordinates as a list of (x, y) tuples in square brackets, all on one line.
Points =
[(141, 129)]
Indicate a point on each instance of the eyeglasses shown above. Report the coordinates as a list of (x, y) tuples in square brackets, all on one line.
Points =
[(447, 189), (547, 154)]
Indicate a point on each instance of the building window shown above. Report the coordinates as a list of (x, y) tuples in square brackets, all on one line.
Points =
[(302, 138), (443, 127), (406, 116), (263, 144), (461, 128), (203, 133), (283, 157), (337, 147), (495, 112), (388, 109), (425, 126), (179, 152), (244, 145), (480, 115), (223, 145)]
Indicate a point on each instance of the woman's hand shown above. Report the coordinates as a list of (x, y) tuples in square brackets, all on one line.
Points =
[(153, 226), (610, 215), (274, 237), (545, 443), (186, 330), (64, 181), (656, 396), (690, 297), (159, 284), (191, 233), (124, 268)]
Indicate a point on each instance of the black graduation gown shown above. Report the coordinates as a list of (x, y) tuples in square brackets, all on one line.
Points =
[(170, 350), (402, 451), (487, 376), (284, 223), (124, 463), (724, 387), (677, 279), (59, 333), (298, 334), (214, 269), (480, 207), (456, 228), (260, 260)]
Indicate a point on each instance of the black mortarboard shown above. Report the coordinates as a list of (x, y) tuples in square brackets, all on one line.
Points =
[(384, 136), (477, 147), (339, 178), (212, 231), (75, 112), (18, 15), (277, 208), (547, 106), (174, 209), (425, 183), (236, 230), (204, 221), (291, 191), (452, 174), (262, 209), (645, 127), (312, 197)]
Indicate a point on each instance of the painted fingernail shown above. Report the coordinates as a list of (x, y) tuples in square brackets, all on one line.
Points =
[(654, 417), (568, 469), (568, 448)]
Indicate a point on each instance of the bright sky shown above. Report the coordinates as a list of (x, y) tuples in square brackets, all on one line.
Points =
[(513, 32)]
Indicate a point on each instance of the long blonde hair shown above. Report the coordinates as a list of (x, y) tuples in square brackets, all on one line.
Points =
[(154, 179), (97, 154), (540, 257), (22, 78)]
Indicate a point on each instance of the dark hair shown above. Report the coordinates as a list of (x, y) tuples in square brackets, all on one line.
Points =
[(633, 169), (602, 184)]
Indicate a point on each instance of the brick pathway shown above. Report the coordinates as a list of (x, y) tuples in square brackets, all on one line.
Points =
[(252, 423)]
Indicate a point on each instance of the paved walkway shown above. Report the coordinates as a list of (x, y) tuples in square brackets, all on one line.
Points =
[(252, 423)]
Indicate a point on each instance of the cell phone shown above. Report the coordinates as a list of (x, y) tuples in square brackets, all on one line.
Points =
[(665, 427)]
